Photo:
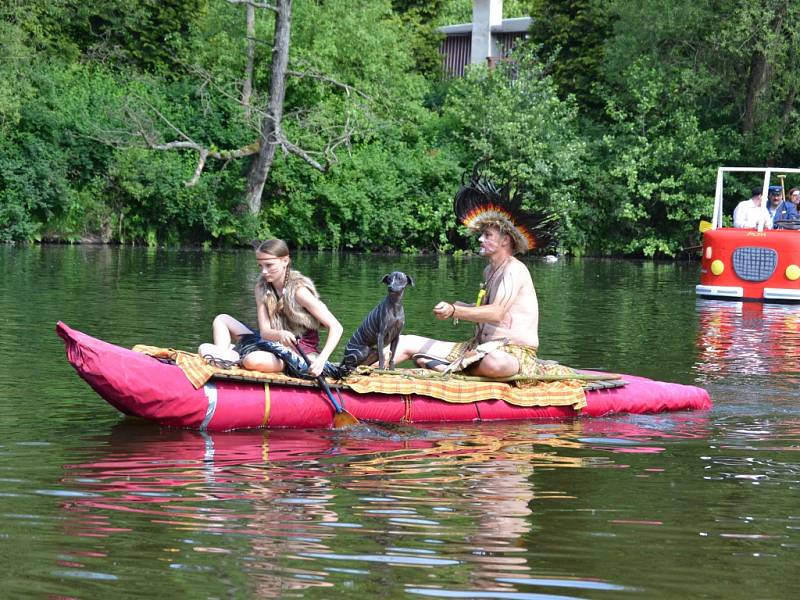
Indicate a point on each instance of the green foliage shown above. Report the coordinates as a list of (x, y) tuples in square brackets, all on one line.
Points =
[(454, 12), (149, 34), (616, 118), (514, 115), (419, 16), (397, 196), (155, 207), (655, 168), (44, 159), (709, 49), (571, 34)]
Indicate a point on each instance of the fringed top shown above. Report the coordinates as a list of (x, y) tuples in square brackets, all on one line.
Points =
[(284, 312)]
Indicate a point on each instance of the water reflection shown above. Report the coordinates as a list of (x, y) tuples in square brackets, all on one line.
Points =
[(443, 510), (743, 339), (294, 505)]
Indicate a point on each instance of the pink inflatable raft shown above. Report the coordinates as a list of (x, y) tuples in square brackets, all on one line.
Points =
[(149, 388)]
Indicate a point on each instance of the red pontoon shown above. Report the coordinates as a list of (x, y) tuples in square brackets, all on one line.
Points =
[(143, 386)]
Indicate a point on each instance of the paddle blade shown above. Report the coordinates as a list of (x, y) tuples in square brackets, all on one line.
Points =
[(344, 419), (704, 226)]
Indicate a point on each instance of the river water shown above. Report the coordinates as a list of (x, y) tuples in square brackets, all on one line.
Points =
[(700, 505)]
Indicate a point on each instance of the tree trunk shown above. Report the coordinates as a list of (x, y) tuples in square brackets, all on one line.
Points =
[(247, 86), (271, 123), (758, 73), (787, 107)]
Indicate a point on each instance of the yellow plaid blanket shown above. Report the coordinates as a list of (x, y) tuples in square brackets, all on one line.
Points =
[(557, 390)]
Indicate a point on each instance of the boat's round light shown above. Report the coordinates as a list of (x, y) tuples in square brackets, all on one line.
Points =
[(708, 252), (792, 272), (717, 267)]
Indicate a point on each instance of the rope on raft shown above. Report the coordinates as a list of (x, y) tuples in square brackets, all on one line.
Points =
[(436, 375)]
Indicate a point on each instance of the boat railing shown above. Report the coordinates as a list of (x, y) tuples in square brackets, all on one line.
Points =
[(717, 218)]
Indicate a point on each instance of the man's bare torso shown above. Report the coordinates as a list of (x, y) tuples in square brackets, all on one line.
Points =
[(520, 322)]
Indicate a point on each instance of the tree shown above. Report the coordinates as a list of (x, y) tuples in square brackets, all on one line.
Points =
[(571, 35), (272, 135), (736, 61)]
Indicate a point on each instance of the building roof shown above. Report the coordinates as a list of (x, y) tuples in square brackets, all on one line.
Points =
[(517, 24)]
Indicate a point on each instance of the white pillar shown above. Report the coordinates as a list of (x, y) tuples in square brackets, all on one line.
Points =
[(485, 15)]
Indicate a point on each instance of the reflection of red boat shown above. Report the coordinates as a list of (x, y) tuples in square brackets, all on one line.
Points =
[(749, 338), (143, 386)]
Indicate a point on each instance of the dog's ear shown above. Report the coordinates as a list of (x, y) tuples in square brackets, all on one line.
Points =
[(386, 278), (410, 280)]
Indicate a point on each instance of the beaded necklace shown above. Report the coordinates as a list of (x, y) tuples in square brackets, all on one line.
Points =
[(484, 291)]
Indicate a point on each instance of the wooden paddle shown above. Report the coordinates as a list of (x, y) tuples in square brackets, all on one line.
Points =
[(342, 418)]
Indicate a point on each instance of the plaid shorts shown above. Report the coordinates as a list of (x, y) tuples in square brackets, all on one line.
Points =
[(525, 355)]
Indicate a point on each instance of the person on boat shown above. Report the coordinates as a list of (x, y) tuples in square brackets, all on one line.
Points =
[(506, 312), (290, 313), (752, 214), (794, 198), (780, 209)]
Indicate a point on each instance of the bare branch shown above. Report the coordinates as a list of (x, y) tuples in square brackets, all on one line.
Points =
[(205, 153), (208, 80), (329, 152), (188, 143), (177, 146), (327, 79), (292, 149), (201, 162), (255, 4), (175, 128)]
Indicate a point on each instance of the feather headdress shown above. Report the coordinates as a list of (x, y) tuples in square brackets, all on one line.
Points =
[(479, 203)]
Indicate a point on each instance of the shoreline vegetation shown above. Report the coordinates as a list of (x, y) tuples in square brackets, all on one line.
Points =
[(210, 123)]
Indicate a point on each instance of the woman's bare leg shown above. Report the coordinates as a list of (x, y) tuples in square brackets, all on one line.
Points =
[(225, 329), (266, 362)]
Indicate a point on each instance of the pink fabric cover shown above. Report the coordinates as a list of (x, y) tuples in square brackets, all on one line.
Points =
[(140, 385)]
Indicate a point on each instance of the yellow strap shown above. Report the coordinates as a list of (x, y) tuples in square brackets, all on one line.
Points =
[(265, 422)]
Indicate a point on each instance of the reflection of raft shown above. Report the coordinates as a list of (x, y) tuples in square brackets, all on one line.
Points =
[(143, 386)]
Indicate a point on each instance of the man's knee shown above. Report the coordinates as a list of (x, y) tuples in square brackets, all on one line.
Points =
[(497, 364)]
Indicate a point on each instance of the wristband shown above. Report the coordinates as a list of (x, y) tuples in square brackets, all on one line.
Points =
[(453, 315)]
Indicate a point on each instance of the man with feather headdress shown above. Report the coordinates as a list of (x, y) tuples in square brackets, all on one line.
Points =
[(506, 311)]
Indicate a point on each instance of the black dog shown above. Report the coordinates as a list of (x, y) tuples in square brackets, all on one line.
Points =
[(382, 326)]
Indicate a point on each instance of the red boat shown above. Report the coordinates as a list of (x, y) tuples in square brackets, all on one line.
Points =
[(146, 387), (750, 264)]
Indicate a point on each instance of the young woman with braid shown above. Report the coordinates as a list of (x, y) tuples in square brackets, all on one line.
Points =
[(290, 312)]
